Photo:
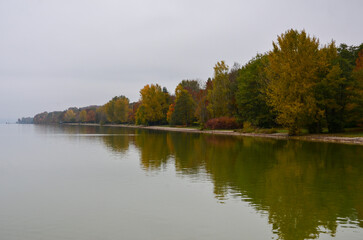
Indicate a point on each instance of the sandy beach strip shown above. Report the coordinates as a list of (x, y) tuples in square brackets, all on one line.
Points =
[(308, 137)]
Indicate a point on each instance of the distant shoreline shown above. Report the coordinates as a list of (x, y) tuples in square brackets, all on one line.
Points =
[(309, 137)]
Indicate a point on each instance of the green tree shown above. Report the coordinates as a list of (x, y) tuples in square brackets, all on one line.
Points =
[(329, 91), (219, 96), (140, 118), (251, 95), (192, 86), (201, 111), (233, 88), (183, 112), (350, 93), (338, 92), (357, 103)]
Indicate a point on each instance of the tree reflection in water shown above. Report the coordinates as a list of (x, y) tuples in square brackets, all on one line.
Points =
[(305, 188)]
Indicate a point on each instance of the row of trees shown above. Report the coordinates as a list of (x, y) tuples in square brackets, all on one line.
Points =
[(25, 120), (298, 84), (91, 114)]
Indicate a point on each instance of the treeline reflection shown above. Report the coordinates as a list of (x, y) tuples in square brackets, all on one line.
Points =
[(304, 188)]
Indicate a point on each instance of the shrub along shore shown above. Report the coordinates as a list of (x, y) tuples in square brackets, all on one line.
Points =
[(298, 85)]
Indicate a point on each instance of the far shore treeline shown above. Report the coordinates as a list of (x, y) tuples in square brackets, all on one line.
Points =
[(299, 84)]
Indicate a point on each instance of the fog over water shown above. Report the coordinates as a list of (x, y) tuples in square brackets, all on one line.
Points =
[(57, 54)]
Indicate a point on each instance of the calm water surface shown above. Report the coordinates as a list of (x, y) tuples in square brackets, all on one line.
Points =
[(92, 183)]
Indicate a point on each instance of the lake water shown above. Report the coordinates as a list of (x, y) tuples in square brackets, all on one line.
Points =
[(99, 183)]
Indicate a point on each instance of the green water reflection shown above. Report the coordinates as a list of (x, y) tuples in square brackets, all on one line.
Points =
[(304, 188)]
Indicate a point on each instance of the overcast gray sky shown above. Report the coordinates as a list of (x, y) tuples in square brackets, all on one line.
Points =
[(60, 53)]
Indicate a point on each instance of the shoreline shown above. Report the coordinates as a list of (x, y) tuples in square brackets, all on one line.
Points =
[(309, 137)]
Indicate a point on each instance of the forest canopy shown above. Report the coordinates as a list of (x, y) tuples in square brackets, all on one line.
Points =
[(299, 84)]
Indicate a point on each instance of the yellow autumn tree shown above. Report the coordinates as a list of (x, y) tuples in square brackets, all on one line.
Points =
[(293, 71), (121, 109), (117, 109), (83, 116), (70, 116), (154, 105), (170, 113)]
